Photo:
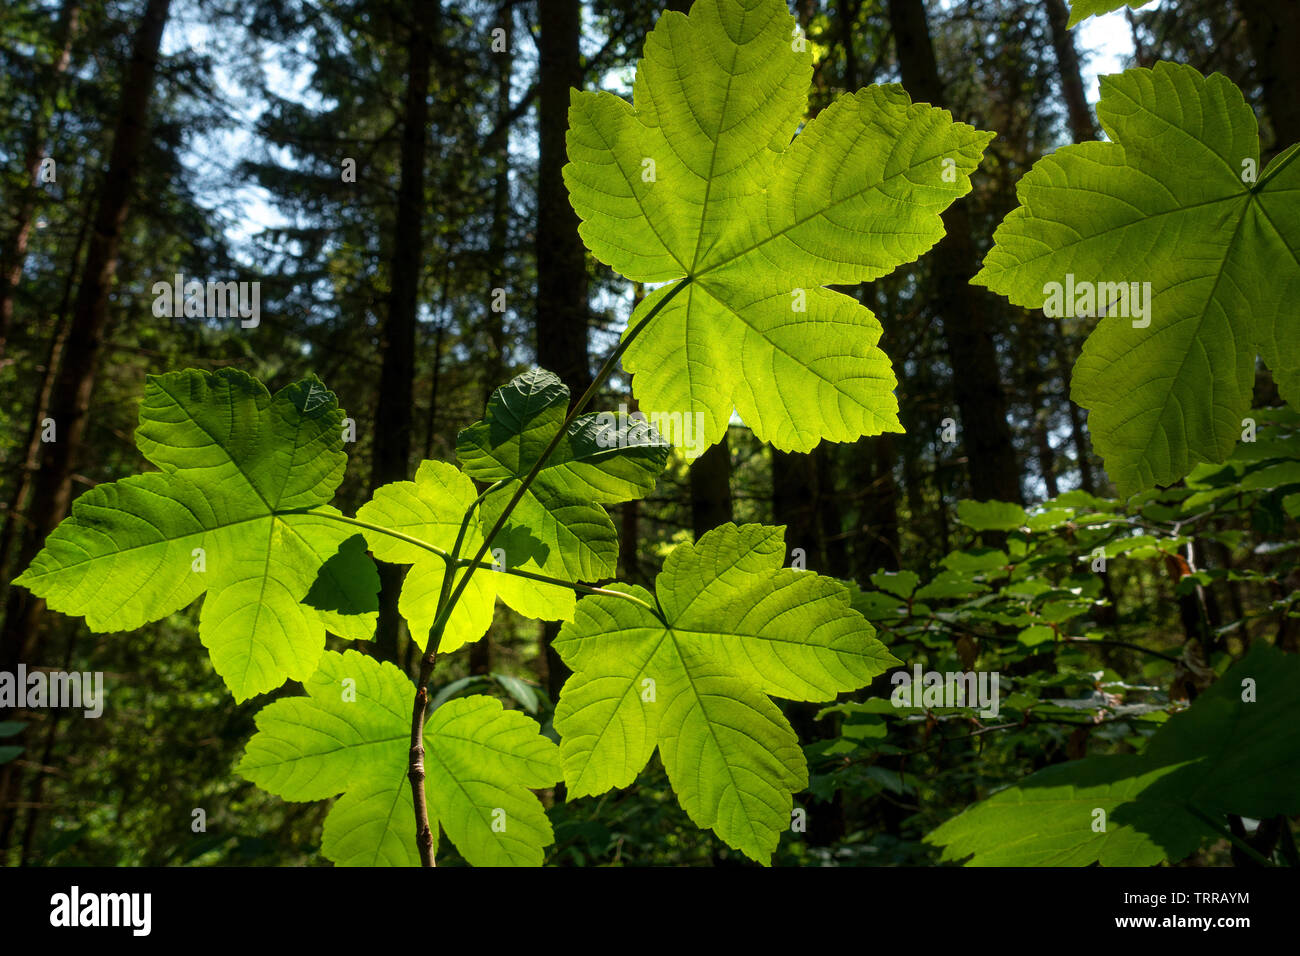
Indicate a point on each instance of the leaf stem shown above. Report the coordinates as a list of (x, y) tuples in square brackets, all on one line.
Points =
[(376, 528), (469, 513), (446, 602), (561, 583), (1228, 835), (602, 376), (465, 562)]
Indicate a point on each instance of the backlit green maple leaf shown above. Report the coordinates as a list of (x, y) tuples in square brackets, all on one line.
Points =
[(698, 179), (224, 517), (429, 511), (1176, 201), (1081, 10), (559, 525), (735, 626), (351, 736)]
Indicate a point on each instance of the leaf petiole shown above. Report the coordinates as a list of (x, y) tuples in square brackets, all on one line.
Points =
[(446, 603)]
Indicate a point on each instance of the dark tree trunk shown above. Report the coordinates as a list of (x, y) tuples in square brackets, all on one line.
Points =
[(793, 480), (1082, 127), (16, 514), (562, 318), (498, 150), (74, 386), (494, 367), (830, 510), (14, 255), (710, 477), (1274, 31), (965, 312), (1046, 455), (394, 412), (876, 536), (1078, 435), (804, 500), (561, 257), (70, 399)]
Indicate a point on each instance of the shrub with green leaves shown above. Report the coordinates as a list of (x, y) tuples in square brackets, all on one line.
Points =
[(1058, 600)]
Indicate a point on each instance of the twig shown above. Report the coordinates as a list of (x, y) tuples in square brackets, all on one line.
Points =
[(448, 599)]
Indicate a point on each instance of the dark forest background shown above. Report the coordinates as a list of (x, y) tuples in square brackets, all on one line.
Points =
[(210, 138)]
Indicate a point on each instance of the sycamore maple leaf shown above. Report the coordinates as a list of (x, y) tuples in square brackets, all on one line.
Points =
[(560, 524), (1081, 10), (697, 179), (430, 511), (224, 517), (351, 735), (1175, 205), (689, 671)]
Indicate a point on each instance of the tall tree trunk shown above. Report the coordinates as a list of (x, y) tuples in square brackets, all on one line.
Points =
[(70, 398), (830, 510), (1078, 436), (1274, 31), (847, 15), (498, 151), (710, 477), (876, 543), (16, 519), (875, 538), (395, 409), (70, 401), (965, 312), (14, 254), (16, 514), (794, 480), (562, 318), (1082, 127), (1046, 454), (499, 148)]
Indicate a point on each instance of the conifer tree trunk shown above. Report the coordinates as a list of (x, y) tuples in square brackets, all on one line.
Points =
[(1274, 31), (16, 512), (1082, 127), (74, 385), (562, 319), (877, 542), (394, 413), (710, 478), (13, 256), (500, 232), (71, 396), (963, 309), (498, 153)]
